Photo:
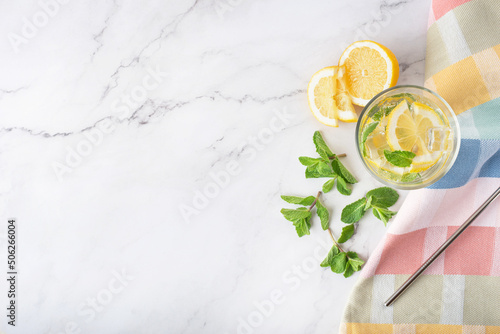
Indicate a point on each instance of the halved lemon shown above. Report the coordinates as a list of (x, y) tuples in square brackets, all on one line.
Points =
[(407, 131), (320, 93), (370, 68), (343, 100)]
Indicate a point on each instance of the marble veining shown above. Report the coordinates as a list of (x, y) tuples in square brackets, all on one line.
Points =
[(144, 147)]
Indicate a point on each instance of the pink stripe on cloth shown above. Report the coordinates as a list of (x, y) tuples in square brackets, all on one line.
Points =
[(420, 228), (442, 7)]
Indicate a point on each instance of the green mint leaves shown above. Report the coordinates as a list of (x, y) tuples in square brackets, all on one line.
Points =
[(399, 158), (323, 215), (342, 262), (298, 200), (329, 165), (383, 197), (321, 147), (379, 199), (347, 233), (353, 212), (301, 217)]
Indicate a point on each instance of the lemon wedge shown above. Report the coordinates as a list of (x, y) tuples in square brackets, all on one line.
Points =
[(343, 99), (320, 93), (370, 68)]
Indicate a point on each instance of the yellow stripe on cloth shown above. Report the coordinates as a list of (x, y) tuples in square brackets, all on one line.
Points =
[(469, 82), (356, 328)]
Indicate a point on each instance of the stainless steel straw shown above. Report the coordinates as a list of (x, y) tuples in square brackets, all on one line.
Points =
[(441, 249)]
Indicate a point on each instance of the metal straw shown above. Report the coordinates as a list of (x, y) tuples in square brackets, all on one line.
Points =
[(441, 249)]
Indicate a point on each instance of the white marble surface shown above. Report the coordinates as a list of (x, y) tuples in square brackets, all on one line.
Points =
[(113, 114)]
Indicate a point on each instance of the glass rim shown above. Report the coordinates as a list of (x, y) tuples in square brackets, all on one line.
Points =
[(446, 166)]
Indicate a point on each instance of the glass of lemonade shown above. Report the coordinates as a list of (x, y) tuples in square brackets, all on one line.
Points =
[(406, 119)]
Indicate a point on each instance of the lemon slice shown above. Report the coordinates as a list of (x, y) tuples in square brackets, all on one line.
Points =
[(343, 100), (370, 68), (407, 131), (320, 93)]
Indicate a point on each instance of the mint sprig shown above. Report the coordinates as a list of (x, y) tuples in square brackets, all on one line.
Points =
[(399, 158), (341, 261), (329, 165), (301, 217), (379, 199)]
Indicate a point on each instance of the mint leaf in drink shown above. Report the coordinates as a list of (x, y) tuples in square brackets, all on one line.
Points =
[(328, 185), (321, 147), (302, 226), (347, 233), (339, 262), (348, 270), (298, 200), (353, 212), (399, 158), (342, 186), (296, 214), (328, 261), (383, 214), (340, 169), (367, 131), (306, 161), (323, 215), (383, 197), (409, 177), (354, 260)]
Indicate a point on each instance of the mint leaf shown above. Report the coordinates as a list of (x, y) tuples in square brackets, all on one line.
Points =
[(323, 215), (383, 111), (348, 270), (342, 186), (409, 177), (298, 200), (327, 262), (368, 202), (354, 260), (353, 212), (399, 158), (383, 197), (366, 132), (328, 185), (321, 147), (321, 169), (339, 262), (383, 214), (296, 214), (364, 136), (302, 226), (306, 161), (340, 169), (347, 233)]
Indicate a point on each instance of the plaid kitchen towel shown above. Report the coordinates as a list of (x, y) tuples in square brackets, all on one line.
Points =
[(459, 292)]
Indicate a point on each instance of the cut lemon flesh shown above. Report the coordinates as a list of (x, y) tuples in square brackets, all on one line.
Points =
[(370, 68), (408, 131), (343, 99), (320, 93)]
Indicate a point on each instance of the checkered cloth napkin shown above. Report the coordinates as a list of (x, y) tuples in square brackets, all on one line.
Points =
[(459, 292)]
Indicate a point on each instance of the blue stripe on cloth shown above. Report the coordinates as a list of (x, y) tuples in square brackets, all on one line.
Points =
[(476, 158)]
